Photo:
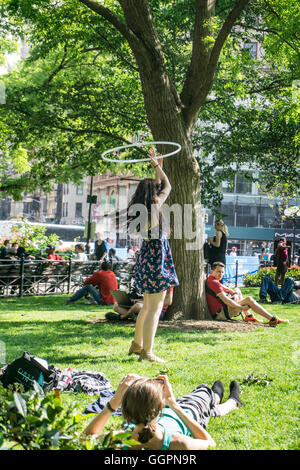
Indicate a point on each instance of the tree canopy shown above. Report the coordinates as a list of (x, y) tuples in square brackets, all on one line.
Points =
[(79, 93)]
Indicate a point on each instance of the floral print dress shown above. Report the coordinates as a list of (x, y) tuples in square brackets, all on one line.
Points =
[(155, 270)]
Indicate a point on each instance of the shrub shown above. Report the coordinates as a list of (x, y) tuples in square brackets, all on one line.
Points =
[(254, 280), (35, 421), (32, 236)]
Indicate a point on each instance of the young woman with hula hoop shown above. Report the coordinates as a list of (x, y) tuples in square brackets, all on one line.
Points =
[(155, 271)]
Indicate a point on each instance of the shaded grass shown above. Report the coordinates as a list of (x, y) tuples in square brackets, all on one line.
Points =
[(60, 333)]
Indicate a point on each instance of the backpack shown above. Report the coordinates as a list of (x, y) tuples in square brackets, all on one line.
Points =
[(206, 250), (29, 369), (213, 294)]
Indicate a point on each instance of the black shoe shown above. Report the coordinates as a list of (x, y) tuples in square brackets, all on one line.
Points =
[(112, 316), (263, 301), (235, 392), (218, 389)]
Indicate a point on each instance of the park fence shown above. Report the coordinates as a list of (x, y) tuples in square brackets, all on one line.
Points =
[(26, 277), (43, 277)]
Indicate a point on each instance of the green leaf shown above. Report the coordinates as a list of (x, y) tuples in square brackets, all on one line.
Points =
[(20, 404)]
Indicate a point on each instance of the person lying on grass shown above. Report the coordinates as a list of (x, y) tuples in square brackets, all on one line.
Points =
[(224, 303), (158, 421)]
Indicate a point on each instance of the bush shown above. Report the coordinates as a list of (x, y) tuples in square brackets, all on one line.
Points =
[(35, 421), (254, 280)]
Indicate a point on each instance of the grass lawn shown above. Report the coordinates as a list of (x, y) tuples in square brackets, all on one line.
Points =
[(60, 333)]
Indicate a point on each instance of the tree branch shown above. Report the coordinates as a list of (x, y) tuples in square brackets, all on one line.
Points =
[(108, 15), (200, 52), (201, 89), (270, 31)]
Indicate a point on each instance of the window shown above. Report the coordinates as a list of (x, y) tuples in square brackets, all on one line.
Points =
[(243, 183), (246, 216), (251, 47), (78, 209), (66, 189), (65, 209), (79, 190), (112, 200), (227, 209)]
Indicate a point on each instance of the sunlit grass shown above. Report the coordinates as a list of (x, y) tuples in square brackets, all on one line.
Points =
[(60, 333)]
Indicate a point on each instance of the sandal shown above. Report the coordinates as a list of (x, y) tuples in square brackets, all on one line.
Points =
[(149, 357), (135, 348)]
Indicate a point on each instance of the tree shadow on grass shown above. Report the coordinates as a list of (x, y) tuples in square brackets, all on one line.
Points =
[(55, 340), (55, 303)]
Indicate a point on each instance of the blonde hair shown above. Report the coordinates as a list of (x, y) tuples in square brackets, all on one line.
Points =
[(142, 404), (223, 225)]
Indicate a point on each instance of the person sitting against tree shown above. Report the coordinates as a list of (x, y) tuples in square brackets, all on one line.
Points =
[(224, 303), (158, 421), (104, 280), (284, 295)]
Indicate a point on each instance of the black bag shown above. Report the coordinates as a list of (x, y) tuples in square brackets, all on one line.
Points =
[(206, 250), (26, 370)]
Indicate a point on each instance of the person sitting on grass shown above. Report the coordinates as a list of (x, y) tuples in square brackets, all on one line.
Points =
[(287, 294), (158, 421), (123, 313), (224, 303), (105, 280)]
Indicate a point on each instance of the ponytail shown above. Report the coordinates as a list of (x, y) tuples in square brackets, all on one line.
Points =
[(146, 433)]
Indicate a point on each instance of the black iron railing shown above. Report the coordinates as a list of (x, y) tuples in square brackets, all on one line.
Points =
[(43, 277)]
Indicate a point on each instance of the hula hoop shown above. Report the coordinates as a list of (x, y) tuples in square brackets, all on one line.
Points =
[(139, 144)]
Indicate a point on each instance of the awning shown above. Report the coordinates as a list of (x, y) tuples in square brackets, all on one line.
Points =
[(245, 233)]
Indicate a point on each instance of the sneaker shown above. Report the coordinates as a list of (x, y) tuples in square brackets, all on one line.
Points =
[(263, 301), (251, 318), (91, 301), (276, 321), (218, 388), (235, 392)]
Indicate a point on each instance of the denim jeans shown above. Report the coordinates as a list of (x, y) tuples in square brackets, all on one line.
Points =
[(88, 289), (285, 294)]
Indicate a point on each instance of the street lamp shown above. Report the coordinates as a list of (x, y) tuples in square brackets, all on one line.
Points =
[(90, 200)]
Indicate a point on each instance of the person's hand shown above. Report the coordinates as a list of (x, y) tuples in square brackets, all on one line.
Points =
[(122, 388), (168, 394), (154, 161)]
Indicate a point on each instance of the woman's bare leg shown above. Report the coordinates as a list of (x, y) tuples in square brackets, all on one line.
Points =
[(155, 305), (139, 325)]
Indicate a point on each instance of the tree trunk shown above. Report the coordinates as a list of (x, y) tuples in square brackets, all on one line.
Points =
[(59, 202), (165, 116), (186, 238)]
